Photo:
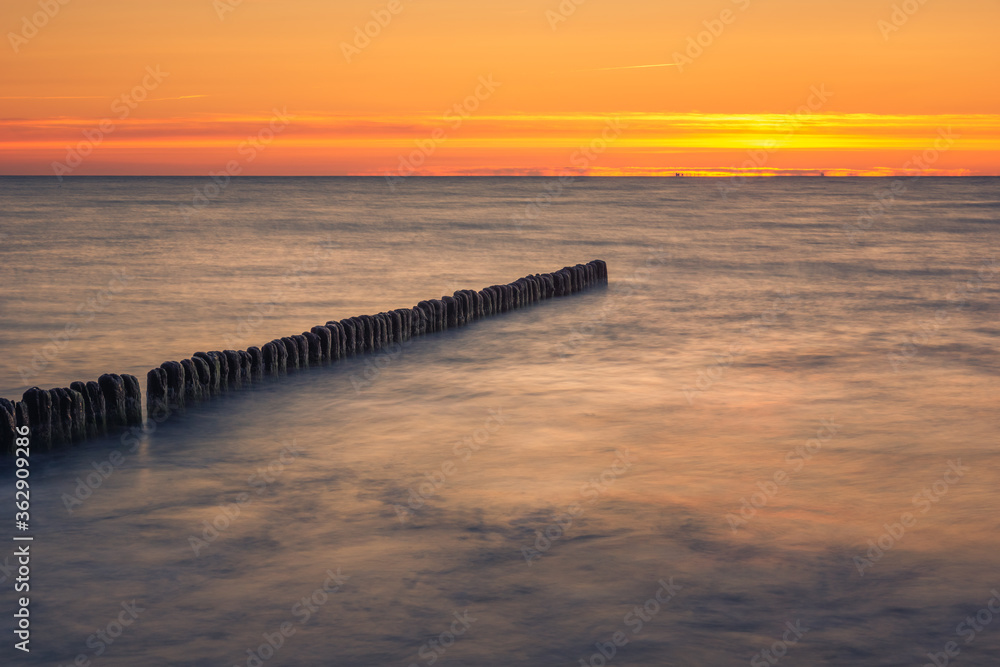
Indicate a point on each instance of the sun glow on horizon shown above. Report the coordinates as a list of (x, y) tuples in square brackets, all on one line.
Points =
[(451, 89)]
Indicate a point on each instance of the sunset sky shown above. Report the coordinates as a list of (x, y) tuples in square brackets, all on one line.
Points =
[(500, 87)]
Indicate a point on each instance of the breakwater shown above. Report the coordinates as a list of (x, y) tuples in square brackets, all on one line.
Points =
[(90, 409)]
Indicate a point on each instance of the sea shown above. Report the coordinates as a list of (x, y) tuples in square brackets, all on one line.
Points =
[(771, 438)]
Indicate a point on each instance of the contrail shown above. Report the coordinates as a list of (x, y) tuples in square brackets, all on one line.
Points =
[(52, 97), (605, 69), (87, 97), (182, 97)]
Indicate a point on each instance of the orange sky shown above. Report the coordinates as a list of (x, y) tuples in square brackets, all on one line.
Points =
[(284, 87)]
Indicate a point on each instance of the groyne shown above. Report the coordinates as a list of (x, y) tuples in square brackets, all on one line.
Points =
[(91, 409)]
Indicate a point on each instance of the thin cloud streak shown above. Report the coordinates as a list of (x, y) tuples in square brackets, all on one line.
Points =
[(52, 97), (182, 97), (607, 69), (89, 97)]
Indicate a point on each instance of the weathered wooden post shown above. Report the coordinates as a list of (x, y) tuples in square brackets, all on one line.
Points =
[(192, 384), (89, 409), (213, 384), (8, 426), (303, 350), (314, 348), (291, 353), (397, 326), (221, 361), (203, 376), (133, 400), (60, 417), (113, 388), (439, 314), (256, 364), (157, 391), (270, 359), (450, 311), (235, 363), (282, 355), (338, 341), (175, 383), (246, 368), (423, 312), (377, 331), (367, 332), (21, 412), (325, 343)]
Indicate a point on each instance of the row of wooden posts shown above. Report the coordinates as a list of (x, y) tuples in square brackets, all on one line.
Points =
[(85, 410)]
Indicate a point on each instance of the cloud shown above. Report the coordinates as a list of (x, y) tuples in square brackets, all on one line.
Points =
[(53, 97), (606, 69), (182, 97)]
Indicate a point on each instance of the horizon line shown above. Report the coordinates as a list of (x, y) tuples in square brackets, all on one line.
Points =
[(679, 174)]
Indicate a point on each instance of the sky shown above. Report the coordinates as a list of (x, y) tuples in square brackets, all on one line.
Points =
[(520, 87)]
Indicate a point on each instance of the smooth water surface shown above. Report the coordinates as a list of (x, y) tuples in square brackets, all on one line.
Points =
[(529, 480)]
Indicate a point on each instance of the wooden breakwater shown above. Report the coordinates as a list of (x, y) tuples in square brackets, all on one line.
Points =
[(91, 409)]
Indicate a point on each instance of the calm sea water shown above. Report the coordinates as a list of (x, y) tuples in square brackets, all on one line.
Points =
[(775, 430)]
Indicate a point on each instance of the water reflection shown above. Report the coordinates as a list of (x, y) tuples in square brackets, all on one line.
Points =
[(469, 477)]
